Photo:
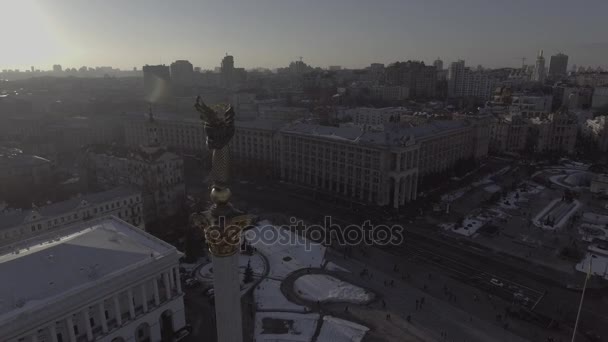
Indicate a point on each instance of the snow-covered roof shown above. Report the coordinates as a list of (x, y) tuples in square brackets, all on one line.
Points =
[(44, 269)]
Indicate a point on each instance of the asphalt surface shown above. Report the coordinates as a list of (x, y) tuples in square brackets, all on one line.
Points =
[(548, 297)]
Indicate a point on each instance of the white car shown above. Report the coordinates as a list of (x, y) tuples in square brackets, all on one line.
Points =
[(496, 282)]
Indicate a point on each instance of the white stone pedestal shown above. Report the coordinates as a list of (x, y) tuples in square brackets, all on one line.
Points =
[(227, 289)]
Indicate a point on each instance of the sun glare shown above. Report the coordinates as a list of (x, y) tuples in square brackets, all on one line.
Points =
[(29, 36)]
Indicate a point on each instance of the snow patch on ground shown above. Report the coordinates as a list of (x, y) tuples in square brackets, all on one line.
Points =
[(336, 268), (492, 188), (285, 326), (339, 330), (268, 297), (599, 264), (325, 288), (286, 251)]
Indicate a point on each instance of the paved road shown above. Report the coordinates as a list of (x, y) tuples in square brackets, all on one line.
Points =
[(275, 197)]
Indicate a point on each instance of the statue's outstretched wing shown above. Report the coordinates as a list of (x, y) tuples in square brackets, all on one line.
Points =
[(229, 116)]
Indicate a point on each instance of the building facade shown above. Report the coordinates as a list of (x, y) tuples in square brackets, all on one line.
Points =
[(368, 167), (464, 82), (380, 166), (597, 130), (420, 79), (373, 116), (101, 280), (154, 171), (539, 73), (558, 66), (184, 134), (124, 203), (255, 146)]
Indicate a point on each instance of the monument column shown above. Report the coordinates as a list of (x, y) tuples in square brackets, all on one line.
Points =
[(222, 225)]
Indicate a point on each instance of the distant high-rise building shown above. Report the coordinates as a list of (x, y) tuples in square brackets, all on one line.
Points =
[(57, 68), (182, 73), (456, 79), (227, 71), (464, 82), (157, 79), (539, 68), (438, 63), (419, 78), (558, 66)]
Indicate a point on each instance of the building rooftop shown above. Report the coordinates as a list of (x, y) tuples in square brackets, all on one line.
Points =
[(12, 157), (142, 153), (393, 134), (43, 269), (262, 124), (18, 217)]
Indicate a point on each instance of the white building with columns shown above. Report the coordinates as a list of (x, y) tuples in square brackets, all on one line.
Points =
[(100, 280)]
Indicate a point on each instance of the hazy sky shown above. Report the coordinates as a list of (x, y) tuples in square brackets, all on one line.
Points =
[(271, 33)]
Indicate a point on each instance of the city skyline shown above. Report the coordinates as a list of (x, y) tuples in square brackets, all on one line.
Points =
[(269, 34)]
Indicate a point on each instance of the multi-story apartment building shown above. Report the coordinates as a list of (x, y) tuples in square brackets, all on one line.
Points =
[(558, 66), (508, 133), (123, 202), (419, 78), (390, 93), (464, 82), (373, 116), (282, 113), (600, 98), (556, 132), (370, 167), (100, 280), (444, 142), (540, 73), (154, 171), (529, 106)]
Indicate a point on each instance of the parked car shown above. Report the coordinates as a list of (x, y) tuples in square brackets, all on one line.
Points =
[(496, 282)]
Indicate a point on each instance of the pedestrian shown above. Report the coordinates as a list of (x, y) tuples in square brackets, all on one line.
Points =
[(385, 283), (424, 287), (408, 318), (417, 304), (383, 304), (388, 317), (392, 283), (346, 308), (422, 300)]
